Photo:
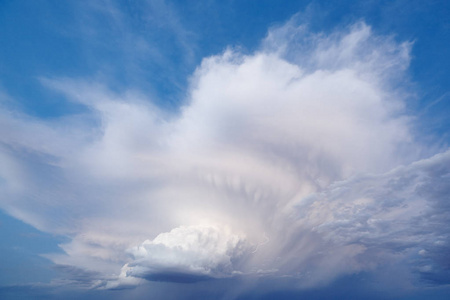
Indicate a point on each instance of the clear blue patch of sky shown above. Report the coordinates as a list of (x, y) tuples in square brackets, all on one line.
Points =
[(21, 248)]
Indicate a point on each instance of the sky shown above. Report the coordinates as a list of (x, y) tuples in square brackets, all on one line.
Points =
[(224, 149)]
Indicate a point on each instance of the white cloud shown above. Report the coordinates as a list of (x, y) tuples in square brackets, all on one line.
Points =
[(264, 170), (187, 253)]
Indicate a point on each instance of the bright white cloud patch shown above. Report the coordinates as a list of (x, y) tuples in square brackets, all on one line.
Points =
[(285, 163), (187, 254)]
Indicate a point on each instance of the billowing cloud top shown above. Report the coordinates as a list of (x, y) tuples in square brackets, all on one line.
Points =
[(296, 161)]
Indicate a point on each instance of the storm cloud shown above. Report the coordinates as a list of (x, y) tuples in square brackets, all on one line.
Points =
[(297, 161)]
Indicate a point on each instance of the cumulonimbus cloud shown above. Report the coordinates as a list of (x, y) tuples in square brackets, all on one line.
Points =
[(284, 162)]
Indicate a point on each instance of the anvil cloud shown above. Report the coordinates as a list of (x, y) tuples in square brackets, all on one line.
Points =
[(297, 161)]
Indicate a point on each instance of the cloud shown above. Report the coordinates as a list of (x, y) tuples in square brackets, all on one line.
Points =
[(296, 161), (395, 216), (186, 254)]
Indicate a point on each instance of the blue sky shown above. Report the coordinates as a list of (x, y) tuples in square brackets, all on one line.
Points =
[(224, 149)]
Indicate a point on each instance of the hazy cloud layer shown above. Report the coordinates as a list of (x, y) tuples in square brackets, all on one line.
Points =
[(296, 161)]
